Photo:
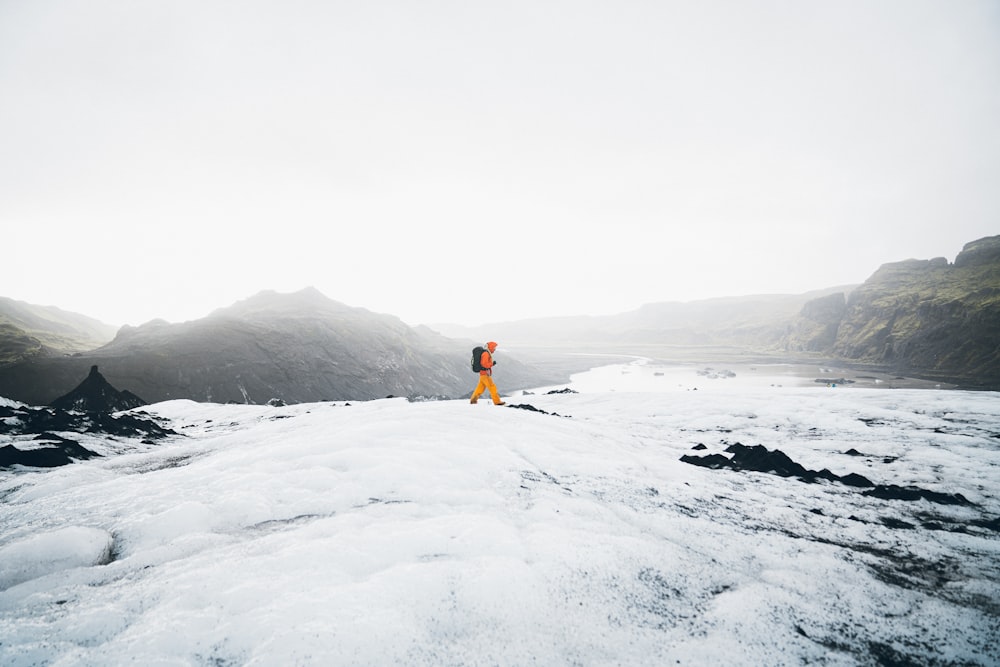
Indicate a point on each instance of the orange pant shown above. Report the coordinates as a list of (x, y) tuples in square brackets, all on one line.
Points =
[(486, 382)]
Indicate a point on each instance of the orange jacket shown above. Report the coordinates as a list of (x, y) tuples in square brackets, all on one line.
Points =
[(486, 361)]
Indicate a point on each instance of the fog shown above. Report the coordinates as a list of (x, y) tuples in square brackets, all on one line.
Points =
[(469, 162)]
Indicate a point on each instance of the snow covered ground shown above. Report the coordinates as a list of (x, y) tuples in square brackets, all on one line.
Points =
[(440, 533)]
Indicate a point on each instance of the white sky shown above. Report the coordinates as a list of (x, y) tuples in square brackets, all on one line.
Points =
[(163, 159)]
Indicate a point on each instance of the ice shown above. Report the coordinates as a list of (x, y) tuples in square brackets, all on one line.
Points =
[(389, 532), (47, 553)]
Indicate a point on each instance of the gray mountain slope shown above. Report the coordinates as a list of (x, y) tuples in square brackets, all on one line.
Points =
[(296, 347)]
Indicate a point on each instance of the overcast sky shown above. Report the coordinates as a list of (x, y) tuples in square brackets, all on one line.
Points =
[(470, 162)]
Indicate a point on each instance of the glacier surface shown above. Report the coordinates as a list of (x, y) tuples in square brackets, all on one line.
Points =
[(442, 533)]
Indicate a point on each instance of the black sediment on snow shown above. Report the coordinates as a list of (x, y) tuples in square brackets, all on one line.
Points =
[(760, 459), (893, 492), (61, 452), (46, 422), (776, 462), (532, 408)]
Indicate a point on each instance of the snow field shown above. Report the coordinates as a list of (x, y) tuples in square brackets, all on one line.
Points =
[(442, 533)]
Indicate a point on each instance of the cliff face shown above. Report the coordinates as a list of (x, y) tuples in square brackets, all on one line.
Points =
[(815, 330), (928, 317), (883, 312)]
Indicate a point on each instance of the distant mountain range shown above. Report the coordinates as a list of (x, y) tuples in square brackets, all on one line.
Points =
[(926, 318), (292, 347), (746, 322)]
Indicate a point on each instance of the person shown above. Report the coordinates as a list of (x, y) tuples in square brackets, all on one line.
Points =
[(486, 376)]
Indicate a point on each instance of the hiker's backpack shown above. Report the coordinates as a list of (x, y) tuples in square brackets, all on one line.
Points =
[(477, 358)]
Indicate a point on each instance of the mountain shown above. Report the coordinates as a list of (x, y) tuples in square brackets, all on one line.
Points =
[(851, 527), (29, 331), (927, 317), (749, 321), (95, 394), (294, 347)]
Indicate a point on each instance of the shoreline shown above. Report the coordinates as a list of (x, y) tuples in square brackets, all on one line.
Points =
[(804, 370)]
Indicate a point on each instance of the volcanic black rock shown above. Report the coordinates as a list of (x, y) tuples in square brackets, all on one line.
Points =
[(776, 462), (95, 394), (58, 451), (50, 447), (532, 408), (912, 493)]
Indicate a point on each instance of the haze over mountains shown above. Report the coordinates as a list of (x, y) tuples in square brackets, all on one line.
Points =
[(928, 318), (294, 347)]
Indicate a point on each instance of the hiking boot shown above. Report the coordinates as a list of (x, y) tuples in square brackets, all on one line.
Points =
[(502, 403), (473, 400)]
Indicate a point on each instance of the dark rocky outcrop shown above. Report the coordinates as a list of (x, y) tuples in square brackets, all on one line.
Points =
[(58, 451), (28, 420), (50, 447), (95, 394), (912, 493), (776, 462), (532, 408)]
